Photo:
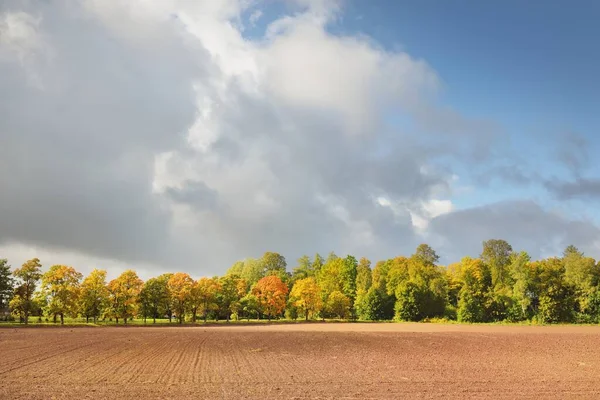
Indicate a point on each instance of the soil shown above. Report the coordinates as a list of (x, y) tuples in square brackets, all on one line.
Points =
[(341, 361)]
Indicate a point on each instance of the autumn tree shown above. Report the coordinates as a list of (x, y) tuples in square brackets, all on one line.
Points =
[(6, 284), (154, 297), (60, 289), (271, 293), (27, 277), (94, 295), (338, 305), (204, 297), (123, 295), (306, 296), (180, 289)]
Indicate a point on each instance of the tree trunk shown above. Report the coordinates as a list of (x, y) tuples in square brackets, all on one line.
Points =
[(53, 318), (117, 320), (87, 319), (125, 321), (154, 319), (26, 317), (205, 316), (62, 318), (306, 314), (144, 319)]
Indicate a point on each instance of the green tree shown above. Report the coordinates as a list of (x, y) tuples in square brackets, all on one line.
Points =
[(348, 274), (229, 294), (154, 297), (250, 306), (303, 270), (61, 290), (27, 277), (338, 305), (426, 254), (496, 253), (6, 284)]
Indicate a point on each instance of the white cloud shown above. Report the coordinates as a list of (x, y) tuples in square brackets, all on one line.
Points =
[(167, 140)]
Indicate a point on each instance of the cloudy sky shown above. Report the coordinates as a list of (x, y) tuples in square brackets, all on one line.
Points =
[(185, 135)]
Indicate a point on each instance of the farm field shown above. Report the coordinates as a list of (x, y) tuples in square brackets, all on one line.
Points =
[(301, 361)]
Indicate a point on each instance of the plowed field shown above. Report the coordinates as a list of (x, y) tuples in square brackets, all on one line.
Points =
[(301, 361)]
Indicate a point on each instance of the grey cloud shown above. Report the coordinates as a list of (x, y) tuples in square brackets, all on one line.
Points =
[(580, 188), (77, 153), (524, 224), (573, 152), (195, 194)]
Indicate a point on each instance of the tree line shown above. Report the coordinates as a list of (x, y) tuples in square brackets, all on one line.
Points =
[(499, 285)]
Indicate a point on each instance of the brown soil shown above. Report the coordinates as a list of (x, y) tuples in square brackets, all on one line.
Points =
[(302, 361)]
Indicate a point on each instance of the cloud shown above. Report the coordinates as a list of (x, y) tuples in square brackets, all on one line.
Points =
[(78, 147), (580, 188), (524, 224), (155, 134)]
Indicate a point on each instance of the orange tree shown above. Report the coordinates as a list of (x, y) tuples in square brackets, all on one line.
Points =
[(271, 293), (180, 288)]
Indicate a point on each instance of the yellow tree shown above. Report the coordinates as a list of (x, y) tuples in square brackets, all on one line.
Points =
[(338, 304), (60, 289), (306, 295), (204, 296), (271, 293), (94, 295), (27, 277), (123, 294), (180, 289)]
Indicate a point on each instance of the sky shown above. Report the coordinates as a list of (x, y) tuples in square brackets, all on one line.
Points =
[(186, 135)]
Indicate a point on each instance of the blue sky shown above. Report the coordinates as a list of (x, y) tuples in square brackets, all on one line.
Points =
[(532, 67)]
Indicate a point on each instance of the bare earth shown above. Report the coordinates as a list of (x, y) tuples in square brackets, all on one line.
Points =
[(352, 361)]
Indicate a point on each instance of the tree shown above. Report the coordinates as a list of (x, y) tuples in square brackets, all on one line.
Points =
[(60, 289), (496, 253), (204, 296), (338, 305), (180, 289), (250, 306), (317, 264), (303, 270), (348, 276), (27, 277), (273, 263), (123, 295), (426, 254), (231, 290), (271, 293), (306, 296), (520, 272), (94, 295), (6, 284), (154, 297)]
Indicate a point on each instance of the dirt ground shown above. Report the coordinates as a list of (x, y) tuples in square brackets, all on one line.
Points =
[(341, 361)]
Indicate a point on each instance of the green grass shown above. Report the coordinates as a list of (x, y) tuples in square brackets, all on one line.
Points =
[(80, 322)]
